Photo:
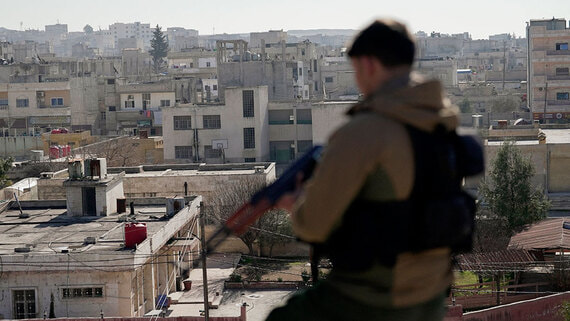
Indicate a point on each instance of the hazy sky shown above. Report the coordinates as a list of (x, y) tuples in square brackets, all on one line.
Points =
[(478, 17)]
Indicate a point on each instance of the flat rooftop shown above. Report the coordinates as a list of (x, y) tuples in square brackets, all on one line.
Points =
[(48, 231), (553, 136)]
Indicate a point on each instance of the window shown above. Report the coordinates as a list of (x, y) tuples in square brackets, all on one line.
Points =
[(24, 102), (281, 117), (304, 116), (300, 71), (3, 103), (87, 292), (562, 96), (562, 71), (215, 87), (562, 46), (24, 304), (207, 88), (249, 159), (130, 102), (182, 152), (146, 100), (57, 102), (207, 64), (212, 121), (103, 115), (328, 79), (248, 103), (209, 152), (112, 108), (110, 81), (304, 146), (182, 122), (165, 103), (249, 138)]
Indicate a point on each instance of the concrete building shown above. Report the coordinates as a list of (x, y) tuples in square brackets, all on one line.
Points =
[(80, 266), (192, 133), (6, 51), (197, 61), (444, 70), (56, 32), (180, 38), (269, 37), (287, 79), (129, 43), (27, 108), (166, 180), (548, 73), (131, 30), (138, 107)]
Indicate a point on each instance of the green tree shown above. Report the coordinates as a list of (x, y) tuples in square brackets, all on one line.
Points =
[(465, 106), (5, 165), (159, 49), (504, 105), (509, 193), (88, 29), (277, 229)]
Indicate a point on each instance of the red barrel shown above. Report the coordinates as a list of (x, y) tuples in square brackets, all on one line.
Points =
[(53, 152), (135, 233)]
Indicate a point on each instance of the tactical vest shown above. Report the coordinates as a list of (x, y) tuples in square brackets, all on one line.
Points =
[(438, 212)]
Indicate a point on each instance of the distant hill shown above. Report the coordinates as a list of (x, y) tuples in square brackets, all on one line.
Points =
[(324, 32)]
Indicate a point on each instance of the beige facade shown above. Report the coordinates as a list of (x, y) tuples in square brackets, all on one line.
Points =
[(549, 77), (268, 37), (72, 139), (26, 108), (83, 267)]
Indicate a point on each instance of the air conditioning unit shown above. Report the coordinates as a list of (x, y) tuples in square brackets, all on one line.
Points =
[(174, 205), (75, 169)]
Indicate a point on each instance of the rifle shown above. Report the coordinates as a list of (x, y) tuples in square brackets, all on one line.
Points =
[(265, 199)]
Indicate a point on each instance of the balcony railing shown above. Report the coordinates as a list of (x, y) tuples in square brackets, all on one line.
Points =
[(565, 77), (557, 52)]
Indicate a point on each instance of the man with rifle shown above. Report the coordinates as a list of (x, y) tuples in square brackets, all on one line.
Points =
[(385, 202)]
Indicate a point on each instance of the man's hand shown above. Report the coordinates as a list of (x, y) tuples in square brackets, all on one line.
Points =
[(288, 200)]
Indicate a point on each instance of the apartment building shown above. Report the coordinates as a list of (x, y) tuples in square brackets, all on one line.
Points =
[(198, 63), (131, 30), (286, 74), (31, 108), (138, 106), (548, 82), (236, 131), (257, 39)]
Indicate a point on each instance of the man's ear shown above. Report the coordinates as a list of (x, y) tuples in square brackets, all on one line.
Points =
[(371, 65)]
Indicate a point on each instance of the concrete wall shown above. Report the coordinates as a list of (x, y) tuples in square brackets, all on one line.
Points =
[(327, 117), (232, 125), (125, 291), (115, 301), (541, 309), (19, 146)]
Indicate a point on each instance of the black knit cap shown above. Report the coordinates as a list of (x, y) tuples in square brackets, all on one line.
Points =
[(388, 41)]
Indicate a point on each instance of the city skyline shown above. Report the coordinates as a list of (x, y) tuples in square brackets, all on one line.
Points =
[(446, 16)]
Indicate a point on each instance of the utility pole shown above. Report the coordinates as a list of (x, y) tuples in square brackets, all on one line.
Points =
[(504, 62), (545, 103), (204, 271)]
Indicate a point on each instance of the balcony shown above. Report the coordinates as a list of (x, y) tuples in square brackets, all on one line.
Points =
[(557, 52), (560, 77)]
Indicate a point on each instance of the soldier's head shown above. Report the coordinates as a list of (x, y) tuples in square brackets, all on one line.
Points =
[(380, 51)]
